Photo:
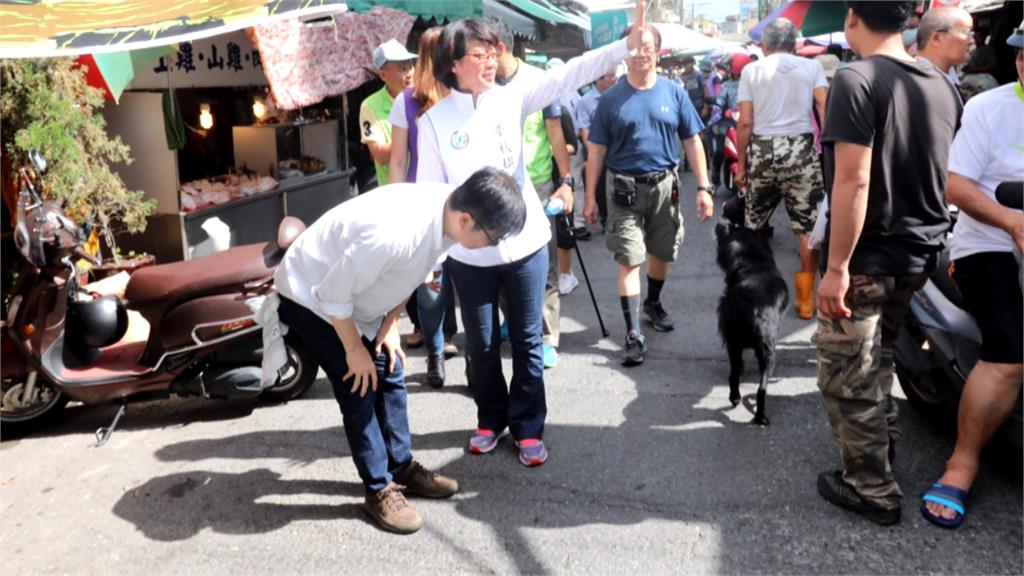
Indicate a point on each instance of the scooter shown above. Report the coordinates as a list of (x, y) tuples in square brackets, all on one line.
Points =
[(188, 328), (939, 343)]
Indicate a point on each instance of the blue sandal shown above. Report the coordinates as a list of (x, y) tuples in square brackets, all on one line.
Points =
[(949, 496)]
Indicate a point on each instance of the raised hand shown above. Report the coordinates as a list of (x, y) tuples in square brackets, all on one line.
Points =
[(636, 35)]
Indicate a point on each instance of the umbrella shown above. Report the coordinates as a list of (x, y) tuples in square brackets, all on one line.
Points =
[(682, 41), (113, 71), (830, 38), (811, 17)]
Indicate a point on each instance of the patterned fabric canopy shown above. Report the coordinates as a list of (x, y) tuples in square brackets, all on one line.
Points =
[(305, 63)]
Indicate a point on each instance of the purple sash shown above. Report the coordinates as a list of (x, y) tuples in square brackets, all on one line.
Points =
[(412, 107)]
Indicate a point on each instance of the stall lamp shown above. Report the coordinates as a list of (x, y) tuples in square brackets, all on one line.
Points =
[(259, 110), (205, 117)]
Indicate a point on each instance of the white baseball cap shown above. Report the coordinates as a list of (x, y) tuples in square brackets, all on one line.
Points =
[(391, 51)]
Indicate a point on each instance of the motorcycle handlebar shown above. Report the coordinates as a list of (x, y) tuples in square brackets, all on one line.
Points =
[(81, 253), (1011, 195)]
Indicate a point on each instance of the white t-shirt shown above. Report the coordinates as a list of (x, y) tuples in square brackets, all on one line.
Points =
[(781, 87), (989, 149), (365, 256), (397, 115)]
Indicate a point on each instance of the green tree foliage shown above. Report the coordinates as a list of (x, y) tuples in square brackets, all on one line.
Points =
[(48, 105)]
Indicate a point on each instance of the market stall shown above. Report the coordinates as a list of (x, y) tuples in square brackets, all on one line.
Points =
[(232, 133)]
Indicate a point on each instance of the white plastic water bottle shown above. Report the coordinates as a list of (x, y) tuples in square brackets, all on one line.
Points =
[(555, 207)]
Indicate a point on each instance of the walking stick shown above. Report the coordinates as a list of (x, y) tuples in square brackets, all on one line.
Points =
[(583, 268)]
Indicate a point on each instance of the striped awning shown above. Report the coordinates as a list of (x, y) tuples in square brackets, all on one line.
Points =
[(76, 27)]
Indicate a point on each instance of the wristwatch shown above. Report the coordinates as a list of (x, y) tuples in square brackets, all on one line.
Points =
[(707, 189), (568, 180)]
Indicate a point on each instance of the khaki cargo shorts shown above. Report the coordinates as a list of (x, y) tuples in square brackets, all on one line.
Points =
[(784, 168), (643, 218)]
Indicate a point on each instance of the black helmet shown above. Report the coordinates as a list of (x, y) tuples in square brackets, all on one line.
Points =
[(98, 322)]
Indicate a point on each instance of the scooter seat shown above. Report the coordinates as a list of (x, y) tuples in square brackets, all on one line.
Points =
[(165, 285)]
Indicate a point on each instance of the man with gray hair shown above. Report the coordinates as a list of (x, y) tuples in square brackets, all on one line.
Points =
[(775, 142), (946, 39)]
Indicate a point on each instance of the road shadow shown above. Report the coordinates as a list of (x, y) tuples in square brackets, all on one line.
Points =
[(180, 506)]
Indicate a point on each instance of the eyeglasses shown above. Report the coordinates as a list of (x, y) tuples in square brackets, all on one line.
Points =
[(491, 241), (964, 33), (481, 55)]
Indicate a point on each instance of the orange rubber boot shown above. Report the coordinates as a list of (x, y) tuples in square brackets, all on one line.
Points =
[(804, 304)]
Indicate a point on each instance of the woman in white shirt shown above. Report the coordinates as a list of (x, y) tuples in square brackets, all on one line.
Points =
[(480, 124)]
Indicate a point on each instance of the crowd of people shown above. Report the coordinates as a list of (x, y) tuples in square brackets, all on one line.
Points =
[(474, 147)]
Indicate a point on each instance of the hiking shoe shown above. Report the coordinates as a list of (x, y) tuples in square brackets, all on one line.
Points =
[(550, 356), (435, 370), (450, 349), (636, 347), (391, 511), (567, 283), (655, 313), (532, 452), (483, 441), (419, 481), (833, 488)]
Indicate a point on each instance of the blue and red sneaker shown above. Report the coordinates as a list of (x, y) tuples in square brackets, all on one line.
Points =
[(483, 441), (532, 452)]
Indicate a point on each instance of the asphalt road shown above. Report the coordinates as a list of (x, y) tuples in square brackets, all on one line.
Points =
[(651, 471)]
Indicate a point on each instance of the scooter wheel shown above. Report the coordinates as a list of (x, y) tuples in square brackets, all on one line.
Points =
[(297, 376), (19, 415)]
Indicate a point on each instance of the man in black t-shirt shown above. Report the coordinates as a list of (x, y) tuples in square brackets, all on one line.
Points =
[(888, 130)]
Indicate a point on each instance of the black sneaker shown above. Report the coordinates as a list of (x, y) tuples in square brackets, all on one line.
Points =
[(581, 233), (833, 488), (656, 315), (636, 347)]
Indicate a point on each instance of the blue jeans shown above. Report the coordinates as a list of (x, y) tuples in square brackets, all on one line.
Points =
[(432, 307), (520, 407), (377, 425)]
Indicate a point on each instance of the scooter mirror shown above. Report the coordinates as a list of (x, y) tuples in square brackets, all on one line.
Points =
[(36, 157), (1011, 195)]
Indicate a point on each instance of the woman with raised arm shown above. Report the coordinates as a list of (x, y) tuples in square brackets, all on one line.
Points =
[(480, 124)]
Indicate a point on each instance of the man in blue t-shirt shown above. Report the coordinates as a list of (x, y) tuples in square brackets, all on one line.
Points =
[(636, 132)]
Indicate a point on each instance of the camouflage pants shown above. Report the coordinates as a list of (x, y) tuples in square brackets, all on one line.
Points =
[(784, 167), (855, 375)]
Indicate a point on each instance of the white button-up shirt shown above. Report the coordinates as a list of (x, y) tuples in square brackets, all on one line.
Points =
[(366, 256), (457, 137)]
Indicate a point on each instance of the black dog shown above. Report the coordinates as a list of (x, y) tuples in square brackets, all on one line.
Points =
[(749, 311)]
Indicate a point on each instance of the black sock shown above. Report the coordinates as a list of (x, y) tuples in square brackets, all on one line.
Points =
[(631, 312), (654, 290)]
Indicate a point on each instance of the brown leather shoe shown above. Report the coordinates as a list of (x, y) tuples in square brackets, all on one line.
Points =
[(422, 482), (391, 511)]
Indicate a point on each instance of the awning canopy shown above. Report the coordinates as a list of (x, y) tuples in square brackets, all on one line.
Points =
[(426, 9), (522, 25), (49, 29), (548, 12)]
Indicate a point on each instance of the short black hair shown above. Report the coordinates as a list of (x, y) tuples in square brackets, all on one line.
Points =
[(882, 16), (493, 198), (648, 28), (451, 46), (503, 31)]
